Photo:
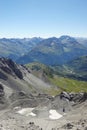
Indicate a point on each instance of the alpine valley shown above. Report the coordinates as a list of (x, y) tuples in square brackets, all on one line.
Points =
[(43, 83)]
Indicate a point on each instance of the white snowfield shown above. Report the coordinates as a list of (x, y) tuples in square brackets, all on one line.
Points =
[(26, 112), (54, 115)]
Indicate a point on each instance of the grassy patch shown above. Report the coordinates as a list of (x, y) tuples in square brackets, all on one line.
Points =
[(53, 91), (69, 85)]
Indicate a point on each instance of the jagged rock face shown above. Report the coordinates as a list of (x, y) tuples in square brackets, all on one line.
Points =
[(14, 67), (1, 90), (3, 76), (3, 100), (76, 97), (84, 96), (10, 67), (1, 87)]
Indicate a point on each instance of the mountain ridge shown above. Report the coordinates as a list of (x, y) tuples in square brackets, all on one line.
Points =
[(55, 51), (16, 47)]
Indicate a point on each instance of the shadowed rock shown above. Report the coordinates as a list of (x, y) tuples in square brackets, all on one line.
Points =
[(1, 90), (10, 67), (3, 76)]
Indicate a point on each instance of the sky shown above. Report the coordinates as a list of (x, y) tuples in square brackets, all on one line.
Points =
[(43, 18)]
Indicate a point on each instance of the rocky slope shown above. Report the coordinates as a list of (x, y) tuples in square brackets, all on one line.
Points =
[(65, 111), (19, 83), (25, 103)]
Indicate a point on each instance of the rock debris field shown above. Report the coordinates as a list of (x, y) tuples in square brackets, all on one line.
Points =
[(62, 112)]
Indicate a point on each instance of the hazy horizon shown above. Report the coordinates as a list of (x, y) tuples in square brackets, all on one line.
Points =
[(40, 37)]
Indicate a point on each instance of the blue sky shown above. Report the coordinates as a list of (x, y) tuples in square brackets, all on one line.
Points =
[(43, 18)]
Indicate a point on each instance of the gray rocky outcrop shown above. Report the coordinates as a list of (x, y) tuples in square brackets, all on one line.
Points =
[(10, 67)]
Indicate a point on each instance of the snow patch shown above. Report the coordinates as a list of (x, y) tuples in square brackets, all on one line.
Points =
[(16, 108), (26, 112), (54, 115), (32, 114)]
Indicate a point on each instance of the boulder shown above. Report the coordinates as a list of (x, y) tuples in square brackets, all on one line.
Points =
[(64, 95)]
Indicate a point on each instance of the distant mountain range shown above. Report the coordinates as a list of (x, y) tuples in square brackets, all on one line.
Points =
[(82, 41), (51, 51), (14, 48), (55, 51)]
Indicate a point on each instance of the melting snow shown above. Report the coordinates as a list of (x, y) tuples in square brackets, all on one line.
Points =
[(32, 114), (54, 115), (26, 112)]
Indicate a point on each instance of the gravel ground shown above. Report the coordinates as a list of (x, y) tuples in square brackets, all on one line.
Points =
[(75, 120)]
